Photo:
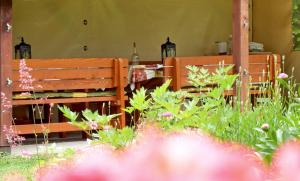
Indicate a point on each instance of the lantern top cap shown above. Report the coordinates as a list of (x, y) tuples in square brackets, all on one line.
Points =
[(168, 43), (22, 43)]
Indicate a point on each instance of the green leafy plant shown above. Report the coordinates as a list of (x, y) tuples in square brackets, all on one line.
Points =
[(181, 109), (90, 121), (118, 138), (296, 24), (98, 127), (210, 112)]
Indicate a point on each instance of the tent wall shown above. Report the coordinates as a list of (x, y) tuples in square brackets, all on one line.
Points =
[(55, 28), (272, 26)]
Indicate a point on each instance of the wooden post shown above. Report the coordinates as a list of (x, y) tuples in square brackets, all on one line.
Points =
[(5, 65), (241, 47)]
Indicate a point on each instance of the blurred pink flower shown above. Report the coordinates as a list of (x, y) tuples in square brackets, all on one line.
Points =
[(90, 165), (175, 157), (167, 114), (283, 76), (287, 162)]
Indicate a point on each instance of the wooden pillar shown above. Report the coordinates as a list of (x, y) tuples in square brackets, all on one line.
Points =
[(5, 64), (241, 46)]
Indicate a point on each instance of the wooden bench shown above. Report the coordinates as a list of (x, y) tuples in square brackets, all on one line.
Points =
[(61, 81), (262, 69)]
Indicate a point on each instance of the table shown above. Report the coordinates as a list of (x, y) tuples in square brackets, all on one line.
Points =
[(140, 73)]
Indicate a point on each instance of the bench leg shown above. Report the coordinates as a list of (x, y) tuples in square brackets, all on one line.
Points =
[(122, 118), (61, 119), (83, 134)]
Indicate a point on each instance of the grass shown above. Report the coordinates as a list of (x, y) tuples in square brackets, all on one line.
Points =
[(25, 167)]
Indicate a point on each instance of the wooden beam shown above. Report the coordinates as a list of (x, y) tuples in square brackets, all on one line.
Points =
[(5, 64), (241, 47)]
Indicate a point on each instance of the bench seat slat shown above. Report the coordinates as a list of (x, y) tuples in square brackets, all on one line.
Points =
[(41, 128), (66, 100), (41, 95), (69, 73), (67, 63), (69, 84)]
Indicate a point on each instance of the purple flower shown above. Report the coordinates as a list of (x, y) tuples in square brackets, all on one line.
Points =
[(283, 76), (167, 114), (265, 127)]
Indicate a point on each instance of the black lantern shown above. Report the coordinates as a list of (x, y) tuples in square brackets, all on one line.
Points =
[(22, 50), (168, 49)]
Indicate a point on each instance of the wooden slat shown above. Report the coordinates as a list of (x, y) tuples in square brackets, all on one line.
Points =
[(258, 78), (205, 60), (69, 84), (259, 68), (66, 100), (66, 63), (41, 128), (70, 74), (258, 58)]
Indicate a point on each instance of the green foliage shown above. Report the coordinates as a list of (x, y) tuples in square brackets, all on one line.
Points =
[(118, 138), (88, 117), (104, 133), (25, 167), (211, 113), (185, 110), (72, 116), (296, 24)]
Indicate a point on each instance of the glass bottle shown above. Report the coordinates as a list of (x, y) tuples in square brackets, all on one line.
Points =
[(135, 56)]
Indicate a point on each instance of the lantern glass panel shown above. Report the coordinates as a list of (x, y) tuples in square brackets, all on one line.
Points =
[(23, 50), (168, 49)]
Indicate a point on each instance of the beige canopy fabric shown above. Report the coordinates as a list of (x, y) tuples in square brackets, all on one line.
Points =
[(55, 28)]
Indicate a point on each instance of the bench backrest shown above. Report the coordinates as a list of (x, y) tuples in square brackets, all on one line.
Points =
[(262, 68), (72, 74)]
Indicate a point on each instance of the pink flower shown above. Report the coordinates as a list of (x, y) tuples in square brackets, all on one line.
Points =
[(93, 125), (5, 103), (283, 76), (167, 114), (265, 127), (25, 77), (12, 137)]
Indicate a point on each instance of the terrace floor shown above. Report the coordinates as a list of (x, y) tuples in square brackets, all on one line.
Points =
[(56, 147)]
